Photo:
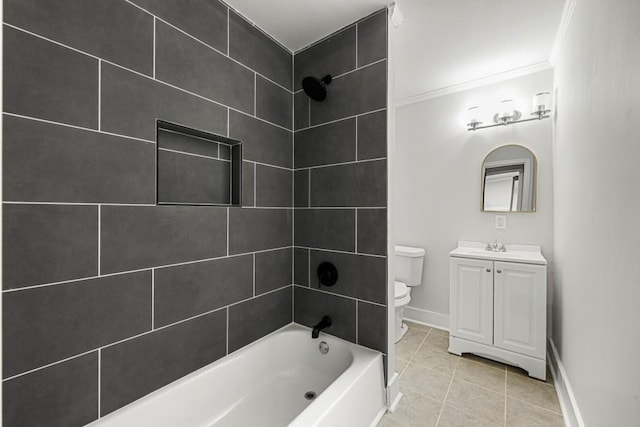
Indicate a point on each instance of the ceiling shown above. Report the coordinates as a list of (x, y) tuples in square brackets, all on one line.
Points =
[(443, 43)]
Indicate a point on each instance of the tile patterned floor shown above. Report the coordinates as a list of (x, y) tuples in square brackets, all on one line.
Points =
[(442, 389)]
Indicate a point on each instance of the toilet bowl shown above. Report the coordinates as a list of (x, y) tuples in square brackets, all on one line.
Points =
[(409, 262), (402, 298)]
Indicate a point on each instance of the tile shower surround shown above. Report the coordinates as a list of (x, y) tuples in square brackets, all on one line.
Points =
[(108, 297)]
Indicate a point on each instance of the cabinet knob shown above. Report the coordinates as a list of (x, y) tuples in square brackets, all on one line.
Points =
[(488, 270), (498, 271)]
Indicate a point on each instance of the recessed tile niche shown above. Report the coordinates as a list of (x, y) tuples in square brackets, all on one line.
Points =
[(196, 168)]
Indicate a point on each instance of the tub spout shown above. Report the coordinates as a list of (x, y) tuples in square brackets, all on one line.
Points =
[(324, 323)]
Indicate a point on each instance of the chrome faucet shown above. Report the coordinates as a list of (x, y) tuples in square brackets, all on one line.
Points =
[(324, 323), (496, 247)]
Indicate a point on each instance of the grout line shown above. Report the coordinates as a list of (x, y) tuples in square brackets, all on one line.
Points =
[(341, 252), (20, 116), (227, 332), (154, 47), (309, 188), (336, 207), (99, 379), (99, 236), (255, 185), (255, 94), (357, 138), (254, 274), (357, 46), (228, 124), (360, 68), (444, 402), (267, 164), (153, 298), (357, 304), (355, 211), (308, 115), (339, 120), (228, 33), (341, 163), (195, 154), (99, 94), (341, 295), (227, 231), (308, 268), (17, 202)]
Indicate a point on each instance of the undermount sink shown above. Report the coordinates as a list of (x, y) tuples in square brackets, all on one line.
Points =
[(529, 253)]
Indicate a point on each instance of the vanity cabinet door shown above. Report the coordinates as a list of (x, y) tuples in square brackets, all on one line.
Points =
[(471, 305), (520, 308)]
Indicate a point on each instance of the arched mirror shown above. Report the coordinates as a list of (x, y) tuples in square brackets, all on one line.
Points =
[(509, 180)]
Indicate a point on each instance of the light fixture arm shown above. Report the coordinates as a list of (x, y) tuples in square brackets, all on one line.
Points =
[(539, 115)]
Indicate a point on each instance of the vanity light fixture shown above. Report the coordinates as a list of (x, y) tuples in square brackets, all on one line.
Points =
[(507, 114)]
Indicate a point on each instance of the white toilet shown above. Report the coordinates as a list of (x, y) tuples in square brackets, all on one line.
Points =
[(408, 268)]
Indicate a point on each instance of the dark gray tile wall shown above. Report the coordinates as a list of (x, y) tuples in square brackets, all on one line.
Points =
[(340, 183), (94, 272)]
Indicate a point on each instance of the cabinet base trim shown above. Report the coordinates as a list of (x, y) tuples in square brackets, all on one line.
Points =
[(537, 368)]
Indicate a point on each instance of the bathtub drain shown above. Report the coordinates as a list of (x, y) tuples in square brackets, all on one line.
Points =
[(310, 395)]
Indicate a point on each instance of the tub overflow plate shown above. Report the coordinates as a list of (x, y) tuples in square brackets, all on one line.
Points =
[(323, 347), (310, 395)]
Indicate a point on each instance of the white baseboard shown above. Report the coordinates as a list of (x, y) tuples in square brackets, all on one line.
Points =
[(567, 399), (426, 317), (393, 392)]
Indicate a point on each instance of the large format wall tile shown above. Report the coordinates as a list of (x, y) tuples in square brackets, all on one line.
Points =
[(187, 290), (44, 162), (372, 38), (273, 270), (187, 179), (311, 305), (359, 276), (334, 55), (188, 64), (248, 183), (301, 188), (273, 103), (258, 229), (326, 144), (205, 20), (256, 50), (372, 135), (188, 144), (300, 110), (136, 367), (352, 94), (48, 243), (301, 266), (114, 30), (140, 237), (273, 186), (325, 228), (261, 141), (61, 395), (131, 104), (372, 326), (360, 184), (47, 324), (372, 231), (257, 317), (44, 80)]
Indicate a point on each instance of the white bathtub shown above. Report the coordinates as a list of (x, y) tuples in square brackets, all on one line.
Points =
[(264, 384)]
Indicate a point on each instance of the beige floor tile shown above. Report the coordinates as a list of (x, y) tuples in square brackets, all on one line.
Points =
[(386, 421), (524, 373), (425, 381), (415, 409), (485, 361), (532, 391), (400, 365), (417, 326), (437, 342), (432, 358), (440, 331), (477, 400), (407, 346), (452, 417), (482, 375), (520, 414)]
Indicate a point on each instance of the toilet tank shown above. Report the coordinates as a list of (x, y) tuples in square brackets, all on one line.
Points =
[(409, 261)]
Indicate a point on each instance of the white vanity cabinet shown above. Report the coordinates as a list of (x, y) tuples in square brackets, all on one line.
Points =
[(498, 305)]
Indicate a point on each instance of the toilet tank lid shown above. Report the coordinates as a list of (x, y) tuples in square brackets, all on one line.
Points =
[(409, 251)]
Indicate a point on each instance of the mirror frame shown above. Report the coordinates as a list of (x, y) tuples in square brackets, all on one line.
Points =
[(533, 168)]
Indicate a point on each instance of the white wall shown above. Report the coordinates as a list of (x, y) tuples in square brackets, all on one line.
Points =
[(437, 183), (597, 211)]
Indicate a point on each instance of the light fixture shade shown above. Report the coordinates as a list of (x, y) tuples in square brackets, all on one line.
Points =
[(541, 102), (506, 110), (473, 116)]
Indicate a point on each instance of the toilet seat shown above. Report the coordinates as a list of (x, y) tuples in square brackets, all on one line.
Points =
[(402, 294)]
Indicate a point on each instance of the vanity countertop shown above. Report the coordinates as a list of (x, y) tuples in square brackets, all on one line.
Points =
[(530, 254)]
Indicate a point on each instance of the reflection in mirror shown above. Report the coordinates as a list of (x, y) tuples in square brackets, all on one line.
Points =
[(509, 180)]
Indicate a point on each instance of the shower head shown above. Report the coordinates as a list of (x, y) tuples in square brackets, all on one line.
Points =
[(315, 88)]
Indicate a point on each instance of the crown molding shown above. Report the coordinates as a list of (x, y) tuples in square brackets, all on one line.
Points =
[(472, 84), (563, 29)]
